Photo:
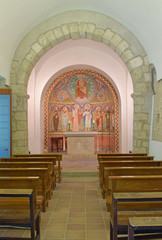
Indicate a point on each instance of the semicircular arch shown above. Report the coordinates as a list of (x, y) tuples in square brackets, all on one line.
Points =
[(85, 25)]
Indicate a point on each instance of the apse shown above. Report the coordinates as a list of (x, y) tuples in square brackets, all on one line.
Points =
[(91, 57)]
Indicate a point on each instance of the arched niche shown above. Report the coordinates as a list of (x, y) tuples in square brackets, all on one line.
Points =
[(82, 25)]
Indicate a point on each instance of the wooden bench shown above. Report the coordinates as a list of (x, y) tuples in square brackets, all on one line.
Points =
[(129, 171), (125, 158), (147, 183), (22, 183), (126, 163), (58, 168), (30, 159), (20, 216), (28, 164), (146, 226), (44, 188), (138, 202), (120, 154)]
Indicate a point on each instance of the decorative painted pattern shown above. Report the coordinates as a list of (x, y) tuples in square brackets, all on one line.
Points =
[(82, 100)]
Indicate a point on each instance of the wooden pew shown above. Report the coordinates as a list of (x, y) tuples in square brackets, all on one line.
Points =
[(149, 225), (126, 163), (130, 184), (129, 171), (58, 168), (20, 215), (36, 160), (44, 175), (120, 154), (31, 159), (21, 183), (137, 204), (48, 165), (124, 158)]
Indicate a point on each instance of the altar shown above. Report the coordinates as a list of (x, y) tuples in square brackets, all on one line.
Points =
[(80, 145)]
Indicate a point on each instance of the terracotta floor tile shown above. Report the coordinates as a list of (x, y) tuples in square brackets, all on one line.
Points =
[(94, 220), (96, 234), (54, 234), (77, 209), (93, 214), (56, 226), (79, 234), (54, 220), (61, 209), (75, 226), (76, 220), (58, 215), (95, 226)]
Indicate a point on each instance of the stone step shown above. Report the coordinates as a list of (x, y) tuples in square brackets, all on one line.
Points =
[(79, 174)]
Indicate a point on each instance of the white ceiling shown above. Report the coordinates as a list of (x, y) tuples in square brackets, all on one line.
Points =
[(142, 17)]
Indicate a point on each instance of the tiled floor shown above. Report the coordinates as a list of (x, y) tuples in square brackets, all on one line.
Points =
[(76, 210)]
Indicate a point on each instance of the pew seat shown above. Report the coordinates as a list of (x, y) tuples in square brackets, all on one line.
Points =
[(126, 199), (23, 214), (145, 227), (44, 188), (8, 182)]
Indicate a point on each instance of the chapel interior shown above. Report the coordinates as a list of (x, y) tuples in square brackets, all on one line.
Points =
[(80, 83)]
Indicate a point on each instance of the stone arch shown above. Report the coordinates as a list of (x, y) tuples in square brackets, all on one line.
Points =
[(50, 33)]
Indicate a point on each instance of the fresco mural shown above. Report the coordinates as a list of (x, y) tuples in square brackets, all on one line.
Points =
[(82, 100)]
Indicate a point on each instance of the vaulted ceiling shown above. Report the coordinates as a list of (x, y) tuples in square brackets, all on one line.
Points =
[(142, 17)]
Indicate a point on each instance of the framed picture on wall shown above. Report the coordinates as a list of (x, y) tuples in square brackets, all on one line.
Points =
[(5, 123)]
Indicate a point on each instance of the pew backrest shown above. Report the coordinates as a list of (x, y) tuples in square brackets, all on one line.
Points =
[(125, 158), (120, 154), (129, 171), (20, 183), (46, 155), (104, 164)]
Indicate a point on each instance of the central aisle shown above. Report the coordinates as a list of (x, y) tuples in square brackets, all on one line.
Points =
[(76, 211)]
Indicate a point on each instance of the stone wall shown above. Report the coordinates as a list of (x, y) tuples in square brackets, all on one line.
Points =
[(81, 25), (157, 121)]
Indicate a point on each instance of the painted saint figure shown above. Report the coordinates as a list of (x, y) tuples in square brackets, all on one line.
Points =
[(112, 120), (75, 117), (55, 119), (107, 118), (99, 118), (87, 117), (64, 118), (81, 88)]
